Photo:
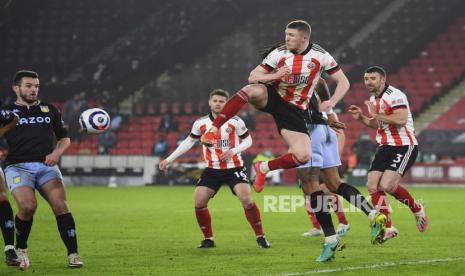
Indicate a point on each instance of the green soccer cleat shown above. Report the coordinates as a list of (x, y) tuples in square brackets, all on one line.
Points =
[(378, 227), (329, 250)]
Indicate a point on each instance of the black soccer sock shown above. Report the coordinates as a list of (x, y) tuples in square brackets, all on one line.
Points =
[(354, 197), (6, 223), (23, 228), (67, 230), (319, 204)]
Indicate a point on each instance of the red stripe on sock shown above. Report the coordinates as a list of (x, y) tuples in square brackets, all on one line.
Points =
[(205, 222), (312, 216), (286, 161), (253, 216)]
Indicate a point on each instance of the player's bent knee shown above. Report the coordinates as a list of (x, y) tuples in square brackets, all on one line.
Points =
[(27, 208), (302, 158)]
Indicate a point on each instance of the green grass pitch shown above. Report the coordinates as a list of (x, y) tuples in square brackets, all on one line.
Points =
[(153, 231)]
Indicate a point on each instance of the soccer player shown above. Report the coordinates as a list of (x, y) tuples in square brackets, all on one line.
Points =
[(8, 120), (325, 161), (389, 114), (224, 165), (282, 86), (31, 164)]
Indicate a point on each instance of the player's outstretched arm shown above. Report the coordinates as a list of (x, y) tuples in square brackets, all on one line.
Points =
[(185, 145), (398, 117), (9, 126)]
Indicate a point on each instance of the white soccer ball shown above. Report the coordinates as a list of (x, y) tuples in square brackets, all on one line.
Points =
[(94, 120)]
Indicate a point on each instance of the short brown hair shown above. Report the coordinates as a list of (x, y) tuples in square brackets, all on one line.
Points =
[(219, 92), (24, 74), (301, 26), (376, 69)]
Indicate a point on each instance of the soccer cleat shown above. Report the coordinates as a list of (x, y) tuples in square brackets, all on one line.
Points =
[(390, 233), (342, 229), (313, 233), (208, 139), (259, 181), (11, 258), (74, 261), (378, 227), (422, 219), (207, 243), (23, 258), (329, 250), (262, 242)]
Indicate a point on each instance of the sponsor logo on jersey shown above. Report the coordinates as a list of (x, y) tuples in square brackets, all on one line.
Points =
[(34, 120), (44, 108), (223, 143)]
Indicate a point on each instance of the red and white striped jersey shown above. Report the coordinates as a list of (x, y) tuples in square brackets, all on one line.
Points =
[(227, 137), (297, 88), (388, 134)]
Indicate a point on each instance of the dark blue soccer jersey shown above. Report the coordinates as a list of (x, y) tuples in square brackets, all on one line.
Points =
[(35, 134)]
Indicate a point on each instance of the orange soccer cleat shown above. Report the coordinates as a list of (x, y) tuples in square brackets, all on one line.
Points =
[(259, 182)]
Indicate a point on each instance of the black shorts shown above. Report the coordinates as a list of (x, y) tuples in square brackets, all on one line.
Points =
[(394, 158), (286, 115), (215, 178)]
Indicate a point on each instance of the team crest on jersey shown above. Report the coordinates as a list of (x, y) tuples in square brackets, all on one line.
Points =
[(311, 65), (16, 179), (228, 130), (44, 109)]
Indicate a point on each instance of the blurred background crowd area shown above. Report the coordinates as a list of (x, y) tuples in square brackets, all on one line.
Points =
[(151, 64)]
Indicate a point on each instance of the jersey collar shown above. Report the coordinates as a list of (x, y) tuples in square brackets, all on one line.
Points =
[(386, 86), (210, 115), (28, 106), (309, 47)]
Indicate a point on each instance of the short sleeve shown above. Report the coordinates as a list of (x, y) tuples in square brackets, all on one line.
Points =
[(398, 100), (271, 61), (196, 132), (329, 64), (242, 130)]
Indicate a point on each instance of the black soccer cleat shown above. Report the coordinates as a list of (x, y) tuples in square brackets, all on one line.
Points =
[(207, 243), (262, 242), (11, 258)]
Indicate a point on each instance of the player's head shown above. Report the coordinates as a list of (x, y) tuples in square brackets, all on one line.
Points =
[(26, 86), (375, 79), (218, 98), (297, 35)]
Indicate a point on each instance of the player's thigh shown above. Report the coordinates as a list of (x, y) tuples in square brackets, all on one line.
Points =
[(54, 192), (25, 199), (299, 144), (309, 179), (389, 180), (258, 95), (373, 180), (242, 191), (331, 178), (202, 195)]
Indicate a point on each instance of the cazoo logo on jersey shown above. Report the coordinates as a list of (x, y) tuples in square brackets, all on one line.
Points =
[(34, 120)]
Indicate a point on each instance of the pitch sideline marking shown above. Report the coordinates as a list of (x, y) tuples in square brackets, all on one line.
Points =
[(386, 264)]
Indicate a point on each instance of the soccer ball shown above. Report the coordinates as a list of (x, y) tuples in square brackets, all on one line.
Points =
[(94, 120)]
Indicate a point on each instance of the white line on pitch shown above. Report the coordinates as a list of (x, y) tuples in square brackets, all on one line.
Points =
[(386, 264)]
